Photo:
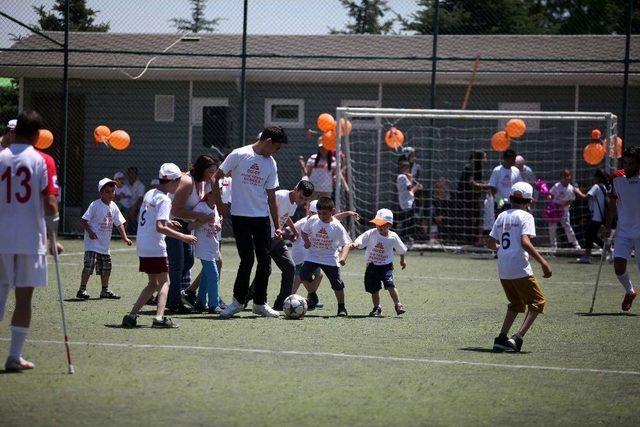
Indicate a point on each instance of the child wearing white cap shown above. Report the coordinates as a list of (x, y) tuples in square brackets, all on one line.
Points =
[(511, 237), (98, 222), (380, 244), (153, 225)]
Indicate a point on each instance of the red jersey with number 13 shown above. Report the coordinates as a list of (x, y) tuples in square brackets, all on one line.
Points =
[(25, 176)]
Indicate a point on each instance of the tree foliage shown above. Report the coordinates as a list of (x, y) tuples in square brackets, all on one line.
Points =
[(367, 17), (81, 18), (8, 103), (198, 22)]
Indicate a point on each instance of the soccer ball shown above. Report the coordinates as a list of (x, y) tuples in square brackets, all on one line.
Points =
[(294, 307)]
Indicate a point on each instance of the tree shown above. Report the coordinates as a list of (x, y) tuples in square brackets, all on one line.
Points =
[(367, 16), (592, 16), (198, 22), (81, 18), (8, 101)]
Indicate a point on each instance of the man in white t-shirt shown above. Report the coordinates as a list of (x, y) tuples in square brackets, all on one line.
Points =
[(28, 211), (625, 191), (502, 178), (511, 237), (288, 202), (255, 179), (406, 187)]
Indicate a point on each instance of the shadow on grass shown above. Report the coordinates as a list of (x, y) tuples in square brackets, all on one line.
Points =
[(614, 314), (119, 326), (81, 299), (490, 350), (331, 316)]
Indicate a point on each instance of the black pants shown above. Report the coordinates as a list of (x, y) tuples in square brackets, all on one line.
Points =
[(281, 256), (592, 235), (253, 235)]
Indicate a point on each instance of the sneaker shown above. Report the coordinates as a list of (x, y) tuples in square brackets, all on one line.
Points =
[(166, 322), (265, 310), (584, 260), (15, 364), (278, 304), (400, 309), (82, 294), (233, 308), (312, 301), (199, 307), (516, 342), (502, 343), (180, 309), (342, 312), (215, 310), (107, 294), (628, 300), (188, 298), (222, 304), (376, 312), (130, 321)]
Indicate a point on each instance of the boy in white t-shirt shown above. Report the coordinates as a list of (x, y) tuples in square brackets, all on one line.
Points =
[(380, 243), (153, 225), (98, 222), (323, 236), (563, 193), (207, 250), (511, 237)]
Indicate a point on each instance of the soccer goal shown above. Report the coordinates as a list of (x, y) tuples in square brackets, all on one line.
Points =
[(442, 149)]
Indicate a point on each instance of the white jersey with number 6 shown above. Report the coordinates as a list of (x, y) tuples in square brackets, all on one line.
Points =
[(23, 182), (510, 226), (156, 206)]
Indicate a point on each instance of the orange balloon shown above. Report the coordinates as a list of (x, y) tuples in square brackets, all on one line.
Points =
[(119, 140), (326, 122), (329, 140), (615, 150), (345, 127), (500, 141), (394, 138), (45, 139), (515, 128), (101, 134), (593, 153), (595, 134)]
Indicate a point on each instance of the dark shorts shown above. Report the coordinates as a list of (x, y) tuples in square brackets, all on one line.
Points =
[(100, 262), (375, 276), (154, 265), (331, 271)]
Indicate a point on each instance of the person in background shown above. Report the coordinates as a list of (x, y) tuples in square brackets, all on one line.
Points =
[(406, 187), (525, 171), (469, 197), (123, 193), (9, 135), (597, 199), (137, 190)]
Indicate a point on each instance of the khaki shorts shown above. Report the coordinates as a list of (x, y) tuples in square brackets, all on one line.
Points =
[(522, 293)]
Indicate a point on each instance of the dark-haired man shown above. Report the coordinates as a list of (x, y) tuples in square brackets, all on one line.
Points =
[(502, 178)]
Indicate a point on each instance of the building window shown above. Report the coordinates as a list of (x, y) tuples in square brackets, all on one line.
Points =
[(164, 108), (533, 125), (288, 113), (363, 122), (198, 104)]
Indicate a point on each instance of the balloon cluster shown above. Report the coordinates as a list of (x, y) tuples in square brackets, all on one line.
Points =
[(594, 152), (118, 140), (514, 128), (542, 187), (327, 125)]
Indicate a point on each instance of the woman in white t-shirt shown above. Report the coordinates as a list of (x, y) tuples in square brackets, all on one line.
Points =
[(320, 169), (596, 197), (562, 194)]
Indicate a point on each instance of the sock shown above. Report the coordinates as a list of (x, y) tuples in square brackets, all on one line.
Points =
[(104, 288), (625, 281), (159, 318), (83, 287), (18, 338), (340, 306)]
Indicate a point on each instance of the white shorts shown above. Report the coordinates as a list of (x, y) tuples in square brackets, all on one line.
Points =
[(20, 271), (623, 246)]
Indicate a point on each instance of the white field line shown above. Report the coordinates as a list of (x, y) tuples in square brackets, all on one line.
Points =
[(341, 356)]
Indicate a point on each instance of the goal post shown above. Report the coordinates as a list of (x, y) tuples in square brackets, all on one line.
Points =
[(446, 213)]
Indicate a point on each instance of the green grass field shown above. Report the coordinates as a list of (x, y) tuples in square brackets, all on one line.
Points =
[(431, 366)]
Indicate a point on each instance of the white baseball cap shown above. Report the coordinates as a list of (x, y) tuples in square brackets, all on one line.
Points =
[(383, 216), (522, 190), (169, 171), (118, 175), (12, 124), (105, 181), (313, 207)]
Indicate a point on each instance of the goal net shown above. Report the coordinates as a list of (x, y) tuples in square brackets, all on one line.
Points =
[(447, 158)]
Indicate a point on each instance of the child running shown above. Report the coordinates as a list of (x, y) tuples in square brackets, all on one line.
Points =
[(323, 235), (98, 222), (207, 250), (511, 237), (380, 243), (563, 193), (153, 225)]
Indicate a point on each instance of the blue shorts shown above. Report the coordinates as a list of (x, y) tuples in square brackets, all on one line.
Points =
[(331, 271), (377, 275)]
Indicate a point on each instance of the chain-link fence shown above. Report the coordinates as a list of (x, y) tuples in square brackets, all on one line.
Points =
[(180, 94)]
